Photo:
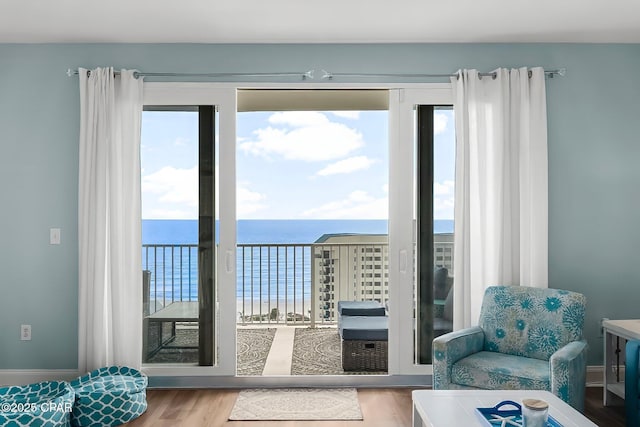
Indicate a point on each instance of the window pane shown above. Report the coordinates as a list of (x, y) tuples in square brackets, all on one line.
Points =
[(433, 214), (178, 163)]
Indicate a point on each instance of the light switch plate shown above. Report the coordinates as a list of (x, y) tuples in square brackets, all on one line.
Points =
[(54, 236)]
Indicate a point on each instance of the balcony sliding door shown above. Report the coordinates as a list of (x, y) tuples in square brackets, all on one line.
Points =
[(188, 150), (421, 237), (414, 253)]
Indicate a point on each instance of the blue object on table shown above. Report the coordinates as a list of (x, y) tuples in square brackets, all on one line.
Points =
[(45, 404), (496, 416), (109, 396)]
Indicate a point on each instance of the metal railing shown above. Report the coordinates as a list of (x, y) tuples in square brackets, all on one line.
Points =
[(273, 282), (281, 283), (174, 273)]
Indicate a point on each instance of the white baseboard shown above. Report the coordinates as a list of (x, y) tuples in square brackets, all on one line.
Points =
[(29, 376), (595, 375)]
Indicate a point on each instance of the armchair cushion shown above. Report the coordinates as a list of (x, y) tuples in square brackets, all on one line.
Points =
[(530, 322), (497, 371)]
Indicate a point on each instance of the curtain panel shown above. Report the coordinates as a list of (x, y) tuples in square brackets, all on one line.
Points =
[(109, 220), (501, 196)]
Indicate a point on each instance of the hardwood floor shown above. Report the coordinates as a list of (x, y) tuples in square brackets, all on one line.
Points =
[(380, 408), (610, 416)]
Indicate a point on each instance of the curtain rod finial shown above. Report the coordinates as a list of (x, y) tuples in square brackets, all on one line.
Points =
[(70, 72), (326, 75), (562, 72), (308, 75)]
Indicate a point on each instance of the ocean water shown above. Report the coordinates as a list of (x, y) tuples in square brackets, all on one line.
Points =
[(160, 231), (277, 273)]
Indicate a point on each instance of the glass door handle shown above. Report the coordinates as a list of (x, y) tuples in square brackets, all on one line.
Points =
[(403, 261), (228, 262)]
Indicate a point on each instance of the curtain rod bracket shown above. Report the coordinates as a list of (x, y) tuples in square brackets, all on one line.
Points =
[(326, 75)]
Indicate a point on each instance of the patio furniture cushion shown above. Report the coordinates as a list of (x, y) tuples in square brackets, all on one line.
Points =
[(366, 328), (109, 396), (360, 308), (47, 404)]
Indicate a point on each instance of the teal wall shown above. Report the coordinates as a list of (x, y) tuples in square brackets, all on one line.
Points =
[(594, 177)]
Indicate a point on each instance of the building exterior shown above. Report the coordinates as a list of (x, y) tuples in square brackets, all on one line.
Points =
[(355, 267)]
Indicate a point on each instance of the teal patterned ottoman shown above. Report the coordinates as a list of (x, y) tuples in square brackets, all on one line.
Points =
[(45, 404), (109, 396)]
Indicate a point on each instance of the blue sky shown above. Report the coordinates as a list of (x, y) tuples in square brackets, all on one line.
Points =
[(290, 165)]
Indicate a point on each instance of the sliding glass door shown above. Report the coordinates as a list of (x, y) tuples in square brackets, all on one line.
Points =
[(422, 183), (403, 272), (188, 158)]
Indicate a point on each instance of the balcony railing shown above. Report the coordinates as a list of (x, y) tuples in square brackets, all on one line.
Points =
[(282, 283), (273, 282)]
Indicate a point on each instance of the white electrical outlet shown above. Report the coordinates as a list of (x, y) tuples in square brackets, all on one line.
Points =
[(25, 332)]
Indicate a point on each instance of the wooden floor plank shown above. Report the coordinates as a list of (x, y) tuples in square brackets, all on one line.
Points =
[(381, 407)]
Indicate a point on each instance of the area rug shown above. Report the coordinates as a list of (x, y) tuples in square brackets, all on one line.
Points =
[(296, 404), (318, 351), (253, 347)]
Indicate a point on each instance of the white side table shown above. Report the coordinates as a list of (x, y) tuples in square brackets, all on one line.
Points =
[(616, 333)]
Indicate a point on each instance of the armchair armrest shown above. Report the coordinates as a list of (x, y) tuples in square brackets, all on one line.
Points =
[(568, 373), (451, 347)]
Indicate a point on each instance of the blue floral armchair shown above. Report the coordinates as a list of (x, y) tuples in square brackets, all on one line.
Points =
[(632, 383), (527, 338)]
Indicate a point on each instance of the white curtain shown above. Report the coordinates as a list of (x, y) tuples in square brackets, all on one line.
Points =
[(109, 220), (501, 197)]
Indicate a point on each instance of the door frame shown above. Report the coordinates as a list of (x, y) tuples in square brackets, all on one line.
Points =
[(402, 99), (405, 229), (224, 98)]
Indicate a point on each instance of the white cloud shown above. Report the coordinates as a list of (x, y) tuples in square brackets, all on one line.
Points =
[(443, 200), (248, 202), (440, 122), (445, 187), (358, 205), (172, 186), (312, 138), (298, 118), (352, 164), (353, 115), (180, 141), (172, 193)]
